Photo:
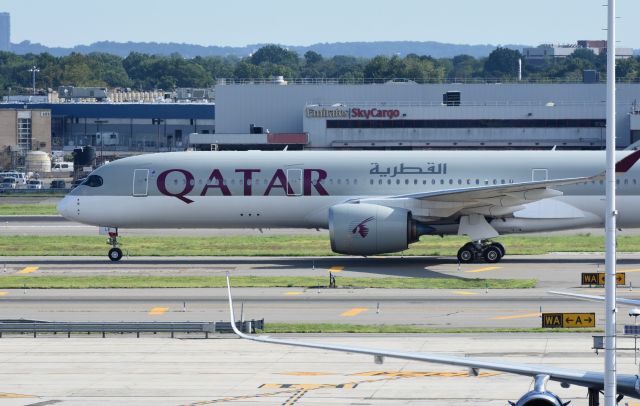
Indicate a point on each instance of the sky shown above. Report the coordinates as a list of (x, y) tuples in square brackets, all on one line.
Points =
[(293, 22)]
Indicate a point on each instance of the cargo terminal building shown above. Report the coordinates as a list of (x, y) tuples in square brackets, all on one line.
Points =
[(406, 115)]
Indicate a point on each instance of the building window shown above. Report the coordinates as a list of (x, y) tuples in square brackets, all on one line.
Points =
[(24, 134)]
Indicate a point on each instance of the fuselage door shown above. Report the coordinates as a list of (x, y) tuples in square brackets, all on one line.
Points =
[(294, 179), (539, 174), (140, 182)]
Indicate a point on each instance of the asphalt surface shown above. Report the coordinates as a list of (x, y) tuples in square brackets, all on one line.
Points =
[(438, 308)]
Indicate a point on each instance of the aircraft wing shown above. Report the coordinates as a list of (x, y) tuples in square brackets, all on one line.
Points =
[(580, 296), (627, 384), (515, 190)]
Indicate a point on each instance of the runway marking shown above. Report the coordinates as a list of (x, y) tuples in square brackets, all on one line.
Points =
[(307, 386), (293, 293), (418, 374), (354, 312), (296, 391), (485, 269), (3, 294), (157, 311), (15, 396), (336, 269), (516, 316), (463, 293), (29, 269)]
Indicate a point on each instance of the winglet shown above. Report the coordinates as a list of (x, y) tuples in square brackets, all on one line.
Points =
[(627, 162), (232, 318)]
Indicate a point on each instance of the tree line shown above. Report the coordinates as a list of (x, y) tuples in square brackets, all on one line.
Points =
[(151, 72)]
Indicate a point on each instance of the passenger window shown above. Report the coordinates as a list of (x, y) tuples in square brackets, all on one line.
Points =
[(380, 182), (371, 182), (406, 181)]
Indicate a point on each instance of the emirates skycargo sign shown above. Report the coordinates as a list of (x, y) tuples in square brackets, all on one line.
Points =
[(355, 112), (374, 113)]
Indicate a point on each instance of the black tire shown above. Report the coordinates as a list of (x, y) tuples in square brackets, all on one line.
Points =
[(466, 254), (492, 254), (500, 247), (115, 254)]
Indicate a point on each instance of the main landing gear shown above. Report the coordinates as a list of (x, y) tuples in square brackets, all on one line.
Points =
[(491, 252), (115, 253)]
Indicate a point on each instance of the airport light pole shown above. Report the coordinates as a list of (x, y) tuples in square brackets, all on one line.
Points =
[(33, 70), (610, 381)]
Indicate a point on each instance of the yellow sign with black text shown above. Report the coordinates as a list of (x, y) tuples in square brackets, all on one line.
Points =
[(597, 278), (568, 320)]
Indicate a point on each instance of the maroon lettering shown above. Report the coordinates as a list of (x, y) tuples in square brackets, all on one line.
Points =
[(219, 184), (247, 179), (375, 113), (308, 182), (281, 178), (188, 185)]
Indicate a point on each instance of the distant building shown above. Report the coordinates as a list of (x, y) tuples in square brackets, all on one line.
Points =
[(599, 47), (5, 32)]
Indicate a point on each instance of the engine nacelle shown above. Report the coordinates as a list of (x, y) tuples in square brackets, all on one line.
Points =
[(535, 398), (540, 396), (369, 229)]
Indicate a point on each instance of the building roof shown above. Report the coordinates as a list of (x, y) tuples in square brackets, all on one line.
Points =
[(122, 110)]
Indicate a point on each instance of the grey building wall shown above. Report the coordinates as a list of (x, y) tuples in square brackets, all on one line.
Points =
[(280, 108), (5, 32)]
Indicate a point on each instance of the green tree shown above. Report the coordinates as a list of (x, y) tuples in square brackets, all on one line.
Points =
[(502, 63), (276, 55)]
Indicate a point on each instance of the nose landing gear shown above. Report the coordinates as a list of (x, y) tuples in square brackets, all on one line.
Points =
[(491, 252), (115, 253)]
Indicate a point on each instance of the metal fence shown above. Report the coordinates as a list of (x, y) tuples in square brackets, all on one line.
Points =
[(104, 328)]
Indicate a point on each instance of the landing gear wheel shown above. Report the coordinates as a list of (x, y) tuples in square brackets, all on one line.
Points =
[(115, 254), (492, 254), (500, 247), (466, 254)]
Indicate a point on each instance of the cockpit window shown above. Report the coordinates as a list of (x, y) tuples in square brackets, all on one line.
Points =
[(93, 181)]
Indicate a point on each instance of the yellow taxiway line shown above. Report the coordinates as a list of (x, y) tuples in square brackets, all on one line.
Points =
[(336, 269), (293, 293), (485, 269), (157, 311), (3, 294), (354, 312), (463, 293), (29, 269)]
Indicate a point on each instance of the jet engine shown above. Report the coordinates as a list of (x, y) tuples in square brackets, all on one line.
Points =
[(368, 229), (540, 396)]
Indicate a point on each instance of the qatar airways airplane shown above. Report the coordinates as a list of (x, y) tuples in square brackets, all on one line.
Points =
[(372, 202)]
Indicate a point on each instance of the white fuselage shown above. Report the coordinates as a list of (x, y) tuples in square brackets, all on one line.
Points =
[(296, 189)]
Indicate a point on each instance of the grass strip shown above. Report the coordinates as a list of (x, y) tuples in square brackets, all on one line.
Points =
[(273, 328), (286, 245), (146, 281), (27, 209)]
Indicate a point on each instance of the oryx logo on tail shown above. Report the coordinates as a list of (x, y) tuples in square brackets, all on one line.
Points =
[(361, 228)]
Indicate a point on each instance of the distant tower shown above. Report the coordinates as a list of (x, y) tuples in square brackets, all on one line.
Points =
[(5, 32)]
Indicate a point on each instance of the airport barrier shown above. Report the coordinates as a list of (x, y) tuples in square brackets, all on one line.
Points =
[(206, 327)]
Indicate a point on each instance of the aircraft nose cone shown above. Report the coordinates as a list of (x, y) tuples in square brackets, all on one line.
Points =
[(65, 207)]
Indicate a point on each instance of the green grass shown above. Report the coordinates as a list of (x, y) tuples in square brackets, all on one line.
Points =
[(272, 328), (285, 245), (27, 209), (145, 281)]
